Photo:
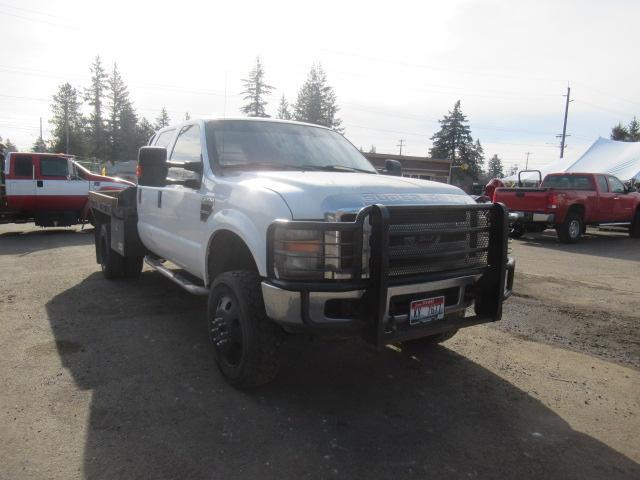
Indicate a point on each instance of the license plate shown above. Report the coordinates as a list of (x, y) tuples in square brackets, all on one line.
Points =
[(426, 310)]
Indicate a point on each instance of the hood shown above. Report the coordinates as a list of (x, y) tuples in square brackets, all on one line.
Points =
[(319, 195)]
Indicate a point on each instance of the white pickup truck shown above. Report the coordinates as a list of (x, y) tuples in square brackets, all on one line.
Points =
[(289, 229)]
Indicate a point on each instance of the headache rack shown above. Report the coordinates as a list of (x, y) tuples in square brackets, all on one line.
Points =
[(385, 246)]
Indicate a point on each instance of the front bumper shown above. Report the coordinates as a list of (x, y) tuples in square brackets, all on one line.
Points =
[(377, 307)]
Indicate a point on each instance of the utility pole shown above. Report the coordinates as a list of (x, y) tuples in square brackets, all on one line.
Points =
[(564, 126), (401, 144), (40, 128), (526, 165)]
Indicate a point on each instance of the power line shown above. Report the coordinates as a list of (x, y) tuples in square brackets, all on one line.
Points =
[(400, 144)]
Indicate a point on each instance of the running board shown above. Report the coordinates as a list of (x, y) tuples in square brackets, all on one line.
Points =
[(188, 285)]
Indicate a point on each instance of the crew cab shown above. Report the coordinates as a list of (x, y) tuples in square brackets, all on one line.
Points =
[(289, 230), (50, 190), (569, 202)]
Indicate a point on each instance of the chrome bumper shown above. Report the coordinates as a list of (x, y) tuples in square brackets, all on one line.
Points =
[(286, 306), (532, 217)]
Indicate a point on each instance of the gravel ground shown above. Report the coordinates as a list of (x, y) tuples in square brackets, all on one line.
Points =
[(117, 380)]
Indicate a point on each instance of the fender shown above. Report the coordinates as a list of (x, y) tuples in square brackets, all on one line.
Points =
[(241, 225)]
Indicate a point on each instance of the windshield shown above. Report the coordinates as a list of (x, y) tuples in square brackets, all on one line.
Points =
[(273, 145), (568, 182)]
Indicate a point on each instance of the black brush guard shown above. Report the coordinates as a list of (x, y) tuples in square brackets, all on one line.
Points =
[(494, 285)]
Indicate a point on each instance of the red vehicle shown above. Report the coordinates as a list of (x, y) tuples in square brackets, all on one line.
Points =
[(49, 189), (569, 202)]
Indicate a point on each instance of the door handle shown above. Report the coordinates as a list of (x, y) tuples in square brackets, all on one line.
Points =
[(39, 183)]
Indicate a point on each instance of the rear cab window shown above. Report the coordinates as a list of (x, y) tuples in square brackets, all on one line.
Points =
[(602, 184), (22, 166), (569, 182)]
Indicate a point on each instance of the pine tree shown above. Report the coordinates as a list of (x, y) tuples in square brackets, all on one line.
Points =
[(255, 91), (68, 124), (495, 168), (145, 132), (163, 119), (283, 109), (316, 102), (634, 130), (187, 117), (620, 133), (10, 146), (39, 146), (94, 96), (372, 149), (123, 120), (454, 142)]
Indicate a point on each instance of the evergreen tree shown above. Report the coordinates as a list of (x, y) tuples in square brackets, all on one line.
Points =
[(255, 91), (283, 109), (163, 119), (122, 123), (316, 102), (145, 132), (634, 130), (495, 168), (10, 146), (513, 169), (372, 149), (39, 146), (94, 96), (454, 142), (67, 122), (187, 117), (620, 133)]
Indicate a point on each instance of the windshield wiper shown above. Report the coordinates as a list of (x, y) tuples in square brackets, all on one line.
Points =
[(288, 166), (340, 168)]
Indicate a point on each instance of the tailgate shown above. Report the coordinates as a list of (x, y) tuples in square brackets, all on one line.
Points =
[(522, 199)]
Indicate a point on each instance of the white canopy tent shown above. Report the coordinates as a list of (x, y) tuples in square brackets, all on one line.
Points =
[(621, 159)]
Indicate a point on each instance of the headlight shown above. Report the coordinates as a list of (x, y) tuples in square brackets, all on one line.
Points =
[(312, 255)]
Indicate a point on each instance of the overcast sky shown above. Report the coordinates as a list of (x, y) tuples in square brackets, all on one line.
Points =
[(397, 67)]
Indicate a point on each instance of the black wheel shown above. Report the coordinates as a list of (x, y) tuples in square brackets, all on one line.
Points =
[(634, 229), (516, 231), (132, 266), (570, 230), (431, 340), (244, 339), (112, 262)]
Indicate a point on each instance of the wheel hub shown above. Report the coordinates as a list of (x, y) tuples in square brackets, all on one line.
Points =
[(225, 330)]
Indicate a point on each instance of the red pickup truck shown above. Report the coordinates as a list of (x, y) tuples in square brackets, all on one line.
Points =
[(569, 202), (48, 189)]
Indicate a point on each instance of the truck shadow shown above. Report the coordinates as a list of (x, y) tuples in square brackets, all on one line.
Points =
[(34, 239), (608, 244), (160, 409)]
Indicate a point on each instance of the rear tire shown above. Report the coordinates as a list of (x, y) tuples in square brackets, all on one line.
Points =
[(634, 229), (111, 262), (245, 341), (571, 229)]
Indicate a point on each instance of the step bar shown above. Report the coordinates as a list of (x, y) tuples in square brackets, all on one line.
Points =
[(185, 283)]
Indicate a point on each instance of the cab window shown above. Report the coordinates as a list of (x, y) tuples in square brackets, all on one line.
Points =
[(616, 185), (187, 148), (54, 167), (602, 183), (23, 166), (163, 139)]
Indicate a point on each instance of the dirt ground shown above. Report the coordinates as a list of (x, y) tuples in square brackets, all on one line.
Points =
[(117, 380)]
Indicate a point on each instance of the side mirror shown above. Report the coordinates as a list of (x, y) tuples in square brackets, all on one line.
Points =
[(152, 166), (393, 167)]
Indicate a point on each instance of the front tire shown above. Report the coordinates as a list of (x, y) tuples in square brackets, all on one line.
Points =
[(634, 229), (245, 341), (571, 229)]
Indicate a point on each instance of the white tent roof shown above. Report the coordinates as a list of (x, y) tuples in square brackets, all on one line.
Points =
[(621, 159)]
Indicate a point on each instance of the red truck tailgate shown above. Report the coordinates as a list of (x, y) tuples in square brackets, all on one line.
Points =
[(522, 199)]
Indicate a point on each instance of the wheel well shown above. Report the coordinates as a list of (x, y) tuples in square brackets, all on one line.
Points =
[(579, 209), (227, 252)]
